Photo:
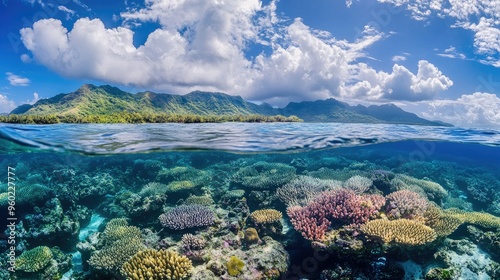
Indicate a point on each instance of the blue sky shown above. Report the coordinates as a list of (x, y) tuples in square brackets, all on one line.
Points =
[(437, 58)]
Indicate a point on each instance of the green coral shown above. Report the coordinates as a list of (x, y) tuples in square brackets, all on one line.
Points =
[(182, 178), (200, 200), (34, 259), (121, 242), (433, 191), (235, 266), (263, 175)]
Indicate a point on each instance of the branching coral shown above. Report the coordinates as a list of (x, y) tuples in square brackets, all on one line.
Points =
[(358, 184), (401, 231), (193, 242), (121, 242), (265, 216), (405, 204), (187, 216), (34, 260), (264, 175), (157, 265), (434, 191), (303, 189), (343, 205), (200, 200)]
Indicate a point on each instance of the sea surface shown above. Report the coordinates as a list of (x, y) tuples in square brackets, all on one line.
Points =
[(249, 201)]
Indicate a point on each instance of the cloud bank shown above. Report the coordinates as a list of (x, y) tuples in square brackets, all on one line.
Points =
[(203, 44)]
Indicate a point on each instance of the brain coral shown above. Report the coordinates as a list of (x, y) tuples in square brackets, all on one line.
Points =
[(157, 265)]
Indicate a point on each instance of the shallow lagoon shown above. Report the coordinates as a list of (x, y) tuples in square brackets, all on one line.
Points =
[(252, 201)]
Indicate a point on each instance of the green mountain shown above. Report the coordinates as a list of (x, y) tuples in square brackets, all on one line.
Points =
[(90, 100)]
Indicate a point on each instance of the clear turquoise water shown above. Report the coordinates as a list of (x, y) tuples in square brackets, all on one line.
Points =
[(67, 175)]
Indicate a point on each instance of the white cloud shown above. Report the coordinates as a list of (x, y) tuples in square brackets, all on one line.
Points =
[(452, 52), (6, 105), (201, 45), (36, 97), (16, 80), (25, 58), (472, 110), (398, 58), (69, 12), (479, 16), (401, 84)]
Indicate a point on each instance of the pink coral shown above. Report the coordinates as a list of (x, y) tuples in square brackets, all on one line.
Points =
[(343, 205), (405, 204)]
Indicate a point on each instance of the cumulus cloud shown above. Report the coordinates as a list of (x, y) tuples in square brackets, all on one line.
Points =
[(473, 110), (36, 97), (400, 84), (201, 45), (6, 105), (16, 80), (479, 16)]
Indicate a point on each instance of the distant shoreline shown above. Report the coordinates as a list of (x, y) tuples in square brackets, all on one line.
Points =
[(135, 118)]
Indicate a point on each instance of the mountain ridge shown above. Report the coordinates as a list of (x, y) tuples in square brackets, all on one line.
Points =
[(104, 100)]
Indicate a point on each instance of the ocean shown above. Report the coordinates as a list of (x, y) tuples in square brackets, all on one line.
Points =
[(249, 201)]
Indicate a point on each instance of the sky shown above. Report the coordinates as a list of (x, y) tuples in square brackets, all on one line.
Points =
[(436, 58)]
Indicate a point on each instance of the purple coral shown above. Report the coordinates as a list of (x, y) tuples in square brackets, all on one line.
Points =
[(187, 216), (405, 204), (313, 220)]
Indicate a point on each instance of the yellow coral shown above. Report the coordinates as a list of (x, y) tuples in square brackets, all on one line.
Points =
[(251, 236), (157, 265), (265, 216), (482, 219), (402, 231), (235, 266), (443, 224), (200, 200), (176, 186), (35, 259)]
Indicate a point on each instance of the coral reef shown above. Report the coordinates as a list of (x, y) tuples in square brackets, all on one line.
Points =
[(187, 216), (343, 205), (157, 265), (358, 184)]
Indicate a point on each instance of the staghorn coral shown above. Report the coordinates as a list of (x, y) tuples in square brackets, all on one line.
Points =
[(157, 265), (35, 259), (343, 205), (266, 216), (303, 189), (358, 184), (121, 241), (402, 231), (442, 223), (482, 219), (336, 174), (264, 175), (187, 216), (235, 266), (405, 204)]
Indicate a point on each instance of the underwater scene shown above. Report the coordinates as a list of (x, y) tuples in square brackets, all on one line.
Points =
[(249, 201)]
